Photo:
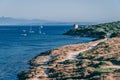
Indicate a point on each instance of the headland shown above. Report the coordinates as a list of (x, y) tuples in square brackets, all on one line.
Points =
[(88, 61)]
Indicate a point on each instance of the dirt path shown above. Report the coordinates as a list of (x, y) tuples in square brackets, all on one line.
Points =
[(73, 55)]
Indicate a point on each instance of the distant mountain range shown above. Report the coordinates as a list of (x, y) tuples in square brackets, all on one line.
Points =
[(15, 21)]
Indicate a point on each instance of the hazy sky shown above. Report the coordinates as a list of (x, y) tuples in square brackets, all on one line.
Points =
[(62, 10)]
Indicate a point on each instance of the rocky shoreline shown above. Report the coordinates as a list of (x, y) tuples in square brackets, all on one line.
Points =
[(42, 64), (89, 61)]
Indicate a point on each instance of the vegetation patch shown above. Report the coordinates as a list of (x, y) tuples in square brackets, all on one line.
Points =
[(102, 43), (115, 34), (99, 31), (102, 70), (118, 70), (70, 61), (107, 63), (83, 53)]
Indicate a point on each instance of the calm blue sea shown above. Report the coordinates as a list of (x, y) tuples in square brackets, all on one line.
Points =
[(18, 45)]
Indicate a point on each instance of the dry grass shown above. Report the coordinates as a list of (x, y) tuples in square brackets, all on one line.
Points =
[(87, 65)]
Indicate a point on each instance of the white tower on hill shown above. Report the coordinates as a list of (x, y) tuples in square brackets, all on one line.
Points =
[(75, 26)]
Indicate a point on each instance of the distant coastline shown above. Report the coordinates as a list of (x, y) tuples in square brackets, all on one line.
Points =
[(17, 21)]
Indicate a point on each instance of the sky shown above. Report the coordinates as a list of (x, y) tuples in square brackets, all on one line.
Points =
[(62, 10)]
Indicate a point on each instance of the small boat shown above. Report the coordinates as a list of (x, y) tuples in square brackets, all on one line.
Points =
[(24, 30), (24, 34), (41, 26), (40, 29), (31, 31)]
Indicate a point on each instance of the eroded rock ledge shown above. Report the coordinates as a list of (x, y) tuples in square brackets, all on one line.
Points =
[(79, 61)]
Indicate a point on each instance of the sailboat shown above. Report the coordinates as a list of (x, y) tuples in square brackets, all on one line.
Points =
[(40, 29), (24, 33), (24, 30), (31, 31)]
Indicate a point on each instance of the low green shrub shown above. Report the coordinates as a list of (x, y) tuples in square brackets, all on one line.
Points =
[(102, 70), (102, 43)]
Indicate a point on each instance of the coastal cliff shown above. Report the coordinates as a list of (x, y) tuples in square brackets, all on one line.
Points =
[(99, 31), (79, 61)]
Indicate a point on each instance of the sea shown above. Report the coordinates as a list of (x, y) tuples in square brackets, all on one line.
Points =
[(19, 44)]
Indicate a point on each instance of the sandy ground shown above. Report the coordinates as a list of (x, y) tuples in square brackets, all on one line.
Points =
[(73, 55)]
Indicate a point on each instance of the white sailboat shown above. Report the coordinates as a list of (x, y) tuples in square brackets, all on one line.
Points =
[(40, 29), (31, 31), (24, 30), (24, 33)]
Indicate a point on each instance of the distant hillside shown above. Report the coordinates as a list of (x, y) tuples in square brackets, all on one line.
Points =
[(14, 21), (99, 31)]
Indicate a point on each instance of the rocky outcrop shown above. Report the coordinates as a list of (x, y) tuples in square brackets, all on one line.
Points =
[(99, 31)]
